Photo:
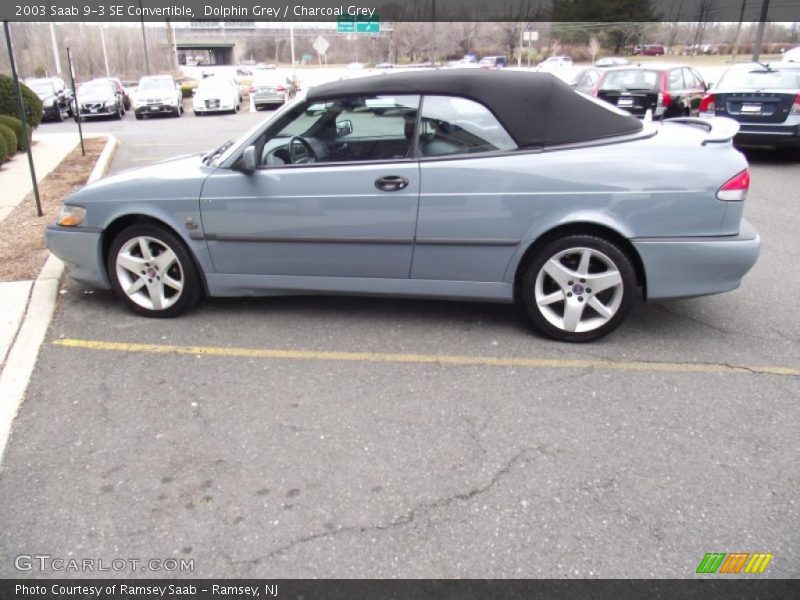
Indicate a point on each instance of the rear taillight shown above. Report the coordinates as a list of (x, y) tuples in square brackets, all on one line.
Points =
[(280, 89), (252, 89), (664, 98), (735, 189), (707, 103), (796, 106)]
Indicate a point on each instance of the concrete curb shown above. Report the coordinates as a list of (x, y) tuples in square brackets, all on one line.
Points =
[(24, 352)]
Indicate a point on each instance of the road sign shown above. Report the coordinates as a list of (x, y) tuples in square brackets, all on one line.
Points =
[(371, 25), (530, 36), (321, 45), (346, 24), (306, 57)]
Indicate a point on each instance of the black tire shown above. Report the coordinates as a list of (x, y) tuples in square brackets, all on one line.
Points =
[(601, 251), (119, 113), (187, 271)]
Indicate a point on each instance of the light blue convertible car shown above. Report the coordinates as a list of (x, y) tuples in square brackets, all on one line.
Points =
[(468, 185)]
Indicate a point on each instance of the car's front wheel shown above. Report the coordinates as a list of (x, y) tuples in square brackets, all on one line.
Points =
[(578, 288), (151, 270)]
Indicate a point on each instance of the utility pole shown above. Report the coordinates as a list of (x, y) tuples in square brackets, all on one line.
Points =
[(144, 41), (56, 57), (738, 31), (23, 119), (171, 42), (762, 21), (105, 52)]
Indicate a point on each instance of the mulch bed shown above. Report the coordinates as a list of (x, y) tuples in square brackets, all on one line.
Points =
[(22, 249)]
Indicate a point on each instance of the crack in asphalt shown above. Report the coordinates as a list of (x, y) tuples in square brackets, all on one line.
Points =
[(409, 517)]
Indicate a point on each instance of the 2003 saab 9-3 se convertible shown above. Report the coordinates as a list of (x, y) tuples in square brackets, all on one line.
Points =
[(501, 186)]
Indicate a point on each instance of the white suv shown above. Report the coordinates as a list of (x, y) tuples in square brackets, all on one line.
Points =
[(158, 95)]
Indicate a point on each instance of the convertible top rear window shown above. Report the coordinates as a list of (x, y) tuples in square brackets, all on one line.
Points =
[(536, 109)]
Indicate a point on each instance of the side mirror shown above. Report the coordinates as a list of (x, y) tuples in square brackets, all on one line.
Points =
[(344, 128), (249, 159)]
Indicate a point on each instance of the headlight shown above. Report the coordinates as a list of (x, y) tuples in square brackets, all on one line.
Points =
[(71, 216), (137, 103), (109, 103), (51, 102)]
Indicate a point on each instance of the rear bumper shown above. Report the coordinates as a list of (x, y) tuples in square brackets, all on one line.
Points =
[(765, 134), (82, 254), (268, 98), (768, 135), (686, 267)]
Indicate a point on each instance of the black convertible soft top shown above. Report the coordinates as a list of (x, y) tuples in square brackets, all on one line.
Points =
[(537, 109)]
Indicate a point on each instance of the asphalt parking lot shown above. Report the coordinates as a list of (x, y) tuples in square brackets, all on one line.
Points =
[(359, 437)]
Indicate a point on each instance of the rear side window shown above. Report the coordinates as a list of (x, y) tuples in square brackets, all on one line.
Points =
[(675, 80), (451, 125)]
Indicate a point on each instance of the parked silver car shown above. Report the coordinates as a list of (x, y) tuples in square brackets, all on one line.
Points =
[(269, 88), (500, 186)]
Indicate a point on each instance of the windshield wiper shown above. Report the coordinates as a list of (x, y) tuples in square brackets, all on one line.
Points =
[(215, 153)]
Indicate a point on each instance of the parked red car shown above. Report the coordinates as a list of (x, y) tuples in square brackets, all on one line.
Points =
[(650, 50)]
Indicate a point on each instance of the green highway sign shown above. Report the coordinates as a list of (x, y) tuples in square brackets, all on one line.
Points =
[(346, 24), (371, 25)]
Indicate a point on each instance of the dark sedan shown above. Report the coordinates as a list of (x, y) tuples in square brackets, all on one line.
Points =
[(666, 90), (765, 99)]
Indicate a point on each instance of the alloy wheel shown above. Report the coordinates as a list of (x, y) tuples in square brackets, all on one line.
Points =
[(150, 273), (578, 290)]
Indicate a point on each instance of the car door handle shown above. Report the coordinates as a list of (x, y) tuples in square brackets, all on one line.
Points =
[(391, 183)]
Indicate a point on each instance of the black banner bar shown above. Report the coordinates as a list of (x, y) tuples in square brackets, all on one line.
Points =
[(419, 589), (607, 11)]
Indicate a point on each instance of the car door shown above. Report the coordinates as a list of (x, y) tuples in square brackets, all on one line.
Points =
[(676, 88), (696, 88), (470, 218), (335, 194)]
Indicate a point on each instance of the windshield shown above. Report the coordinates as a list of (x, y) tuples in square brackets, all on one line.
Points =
[(760, 78), (240, 141), (633, 79), (42, 88), (269, 78), (156, 85), (96, 87)]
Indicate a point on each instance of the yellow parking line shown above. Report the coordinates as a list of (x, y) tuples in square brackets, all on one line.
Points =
[(440, 359)]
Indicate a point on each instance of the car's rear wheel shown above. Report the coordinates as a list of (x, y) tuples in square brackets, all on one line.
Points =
[(578, 288), (151, 270)]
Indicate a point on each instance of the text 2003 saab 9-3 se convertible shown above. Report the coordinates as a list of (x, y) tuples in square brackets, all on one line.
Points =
[(498, 186)]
